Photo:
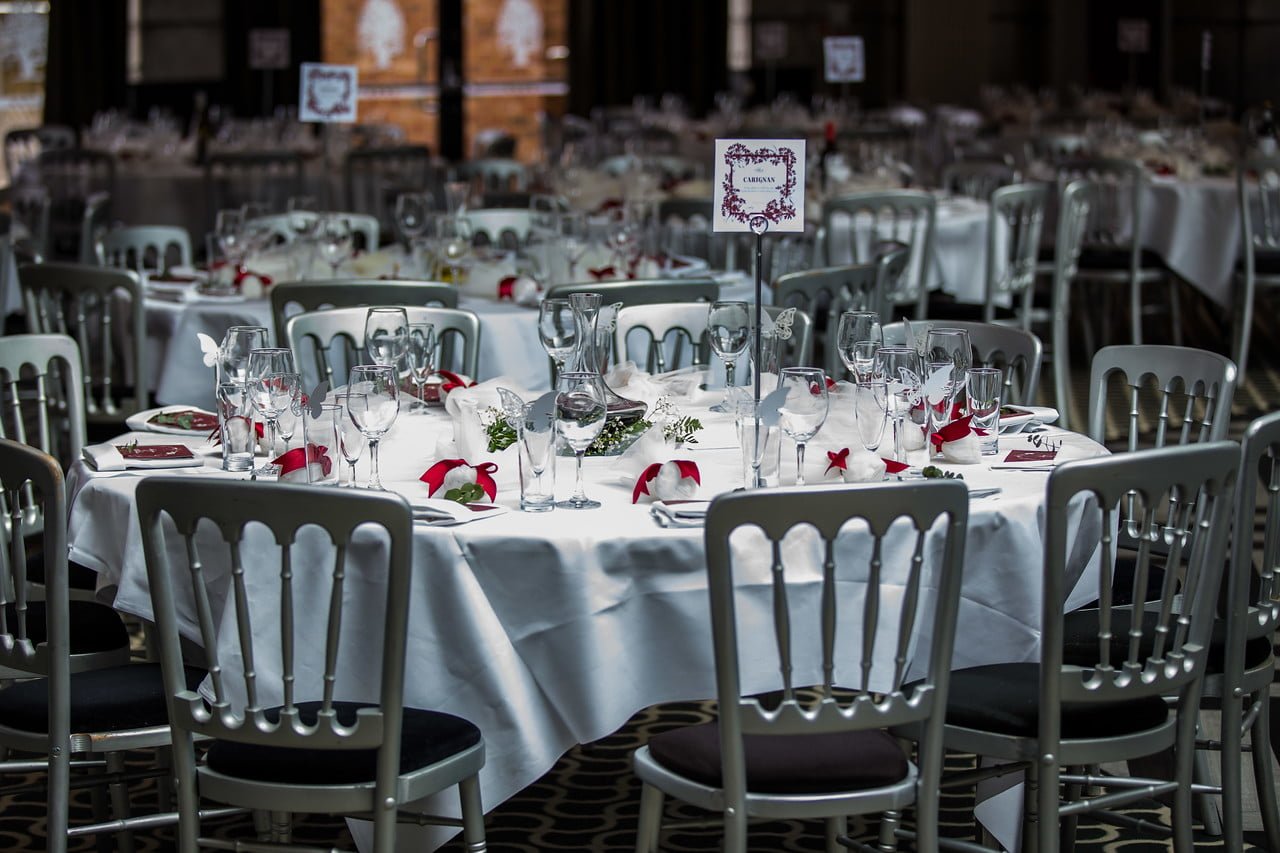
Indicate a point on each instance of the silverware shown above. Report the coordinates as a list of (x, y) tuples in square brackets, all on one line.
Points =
[(978, 494)]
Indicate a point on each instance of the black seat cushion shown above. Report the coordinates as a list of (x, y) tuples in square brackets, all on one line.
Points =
[(786, 764), (1080, 640), (78, 576), (93, 627), (102, 700), (1264, 262), (1004, 698), (1117, 257), (427, 737)]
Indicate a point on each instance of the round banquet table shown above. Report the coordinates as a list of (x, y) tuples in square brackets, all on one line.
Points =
[(552, 629)]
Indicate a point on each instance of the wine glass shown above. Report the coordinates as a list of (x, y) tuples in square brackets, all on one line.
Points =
[(290, 419), (558, 330), (233, 354), (900, 367), (335, 241), (859, 327), (951, 345), (580, 417), (411, 215), (728, 328), (870, 410), (939, 394), (350, 438), (574, 240), (386, 335), (372, 407), (422, 357), (454, 236), (228, 230), (805, 409), (272, 394)]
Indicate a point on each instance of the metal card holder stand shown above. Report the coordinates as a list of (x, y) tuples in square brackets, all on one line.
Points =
[(759, 225)]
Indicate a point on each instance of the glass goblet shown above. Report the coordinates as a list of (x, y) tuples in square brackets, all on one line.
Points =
[(729, 331), (386, 335), (858, 327), (558, 330), (350, 439), (373, 406), (272, 394), (421, 356), (805, 409), (580, 418), (335, 241)]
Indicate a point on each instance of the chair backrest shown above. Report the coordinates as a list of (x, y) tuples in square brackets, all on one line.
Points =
[(645, 291), (1019, 354), (32, 206), (84, 302), (1179, 497), (1116, 213), (334, 339), (374, 176), (146, 247), (856, 225), (977, 179), (269, 177), (1074, 206), (53, 419), (678, 327), (895, 576), (505, 227), (830, 290), (1014, 220), (23, 145), (1192, 394), (292, 297), (496, 173), (1258, 193), (684, 228), (257, 658), (80, 185)]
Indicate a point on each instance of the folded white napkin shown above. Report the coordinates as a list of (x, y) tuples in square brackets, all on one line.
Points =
[(107, 457), (860, 466), (444, 513)]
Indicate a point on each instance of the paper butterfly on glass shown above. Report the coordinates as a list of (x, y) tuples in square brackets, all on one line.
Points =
[(210, 348), (934, 389), (613, 317), (316, 398), (783, 322)]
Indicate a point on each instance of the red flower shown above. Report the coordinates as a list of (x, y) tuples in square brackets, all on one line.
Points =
[(838, 460)]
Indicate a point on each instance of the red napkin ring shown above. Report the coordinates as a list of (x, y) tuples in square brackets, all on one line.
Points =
[(299, 458), (687, 469), (958, 428), (507, 288), (838, 460), (893, 466), (453, 380), (436, 475)]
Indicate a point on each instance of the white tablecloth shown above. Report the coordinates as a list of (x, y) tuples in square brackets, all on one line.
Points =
[(550, 630), (1195, 226)]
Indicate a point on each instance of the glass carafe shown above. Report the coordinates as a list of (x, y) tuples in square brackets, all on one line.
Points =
[(591, 354)]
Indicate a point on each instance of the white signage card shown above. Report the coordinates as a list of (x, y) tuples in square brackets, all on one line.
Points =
[(759, 178), (268, 48), (843, 59), (1133, 35), (328, 93)]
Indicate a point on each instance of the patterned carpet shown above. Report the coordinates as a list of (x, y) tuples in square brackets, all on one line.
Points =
[(590, 799)]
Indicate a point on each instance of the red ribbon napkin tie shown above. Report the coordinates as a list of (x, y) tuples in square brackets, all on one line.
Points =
[(685, 469), (837, 460), (294, 463), (452, 473)]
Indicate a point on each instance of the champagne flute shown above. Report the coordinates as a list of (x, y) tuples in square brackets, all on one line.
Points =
[(350, 439), (805, 409), (900, 367), (335, 241), (580, 418), (422, 358), (411, 215), (870, 410), (858, 327), (386, 335), (558, 330), (372, 407), (273, 394), (729, 330), (951, 345), (454, 235)]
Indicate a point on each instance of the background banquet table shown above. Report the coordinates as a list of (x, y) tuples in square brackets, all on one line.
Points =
[(550, 630)]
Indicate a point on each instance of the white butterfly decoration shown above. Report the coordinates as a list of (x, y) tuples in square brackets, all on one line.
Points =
[(783, 322), (613, 317), (937, 386), (316, 398), (210, 348), (934, 389)]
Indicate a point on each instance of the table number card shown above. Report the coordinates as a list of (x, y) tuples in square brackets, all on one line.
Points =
[(759, 177), (843, 59), (328, 93)]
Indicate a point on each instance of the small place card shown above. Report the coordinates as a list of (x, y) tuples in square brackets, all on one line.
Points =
[(328, 93), (759, 178), (842, 59), (1031, 456), (154, 451)]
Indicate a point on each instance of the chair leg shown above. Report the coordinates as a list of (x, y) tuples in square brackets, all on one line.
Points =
[(888, 836), (1206, 805), (101, 813), (262, 824), (1135, 311), (650, 822), (184, 776), (1031, 810), (281, 827), (1062, 371), (1263, 779), (1175, 310), (1067, 832), (835, 827), (1184, 766), (119, 800), (472, 815), (1242, 316), (1232, 808), (1048, 798), (58, 801), (164, 786)]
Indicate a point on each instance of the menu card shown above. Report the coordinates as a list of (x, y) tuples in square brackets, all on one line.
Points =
[(760, 181)]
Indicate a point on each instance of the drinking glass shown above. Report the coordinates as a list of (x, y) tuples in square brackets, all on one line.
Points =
[(228, 229), (335, 241), (805, 410), (320, 444), (951, 344), (271, 394), (350, 438), (235, 427), (373, 407), (386, 335), (537, 458), (233, 354), (761, 446), (900, 367), (729, 330), (858, 327), (940, 388), (580, 417), (558, 330), (421, 355), (870, 409), (985, 386), (411, 215), (454, 238)]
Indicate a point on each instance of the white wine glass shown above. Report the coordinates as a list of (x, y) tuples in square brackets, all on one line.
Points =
[(272, 394), (411, 215), (729, 331), (454, 239), (421, 356), (350, 439), (859, 327), (580, 418), (335, 241), (386, 335), (870, 410), (372, 407), (805, 409), (558, 330)]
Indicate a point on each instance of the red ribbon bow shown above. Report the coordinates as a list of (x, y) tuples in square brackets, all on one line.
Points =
[(687, 469), (958, 428), (838, 460), (434, 476), (300, 458), (507, 288), (453, 380), (893, 466), (601, 273)]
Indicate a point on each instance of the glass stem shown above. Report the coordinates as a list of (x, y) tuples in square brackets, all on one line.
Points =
[(352, 463), (728, 375), (799, 463), (273, 435), (897, 441), (579, 493), (375, 481)]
